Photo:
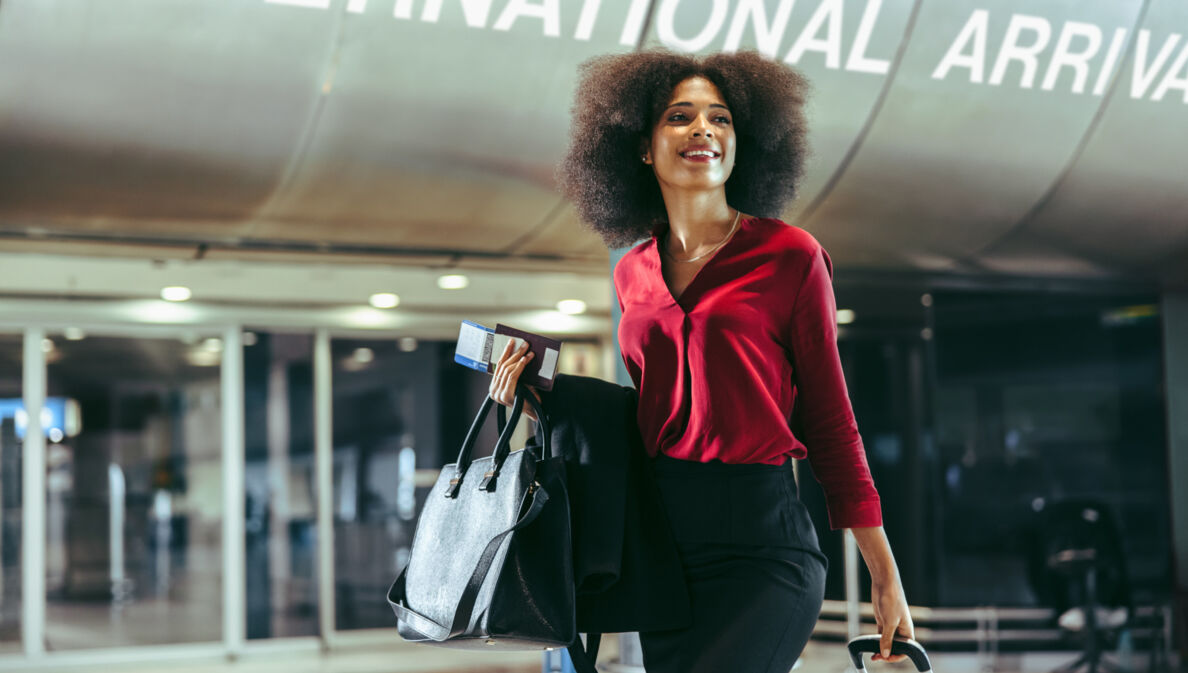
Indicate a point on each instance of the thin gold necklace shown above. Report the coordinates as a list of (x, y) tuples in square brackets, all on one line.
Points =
[(711, 251)]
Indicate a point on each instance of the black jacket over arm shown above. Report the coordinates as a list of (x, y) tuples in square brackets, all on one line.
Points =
[(626, 567)]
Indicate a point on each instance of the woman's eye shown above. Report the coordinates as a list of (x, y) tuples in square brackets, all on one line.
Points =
[(724, 120), (676, 117)]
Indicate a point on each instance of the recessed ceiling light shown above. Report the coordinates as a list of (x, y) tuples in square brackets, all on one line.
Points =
[(199, 357), (47, 346), (571, 306), (363, 355), (250, 339), (408, 344), (845, 316), (213, 345), (453, 281), (384, 300), (176, 293), (74, 334)]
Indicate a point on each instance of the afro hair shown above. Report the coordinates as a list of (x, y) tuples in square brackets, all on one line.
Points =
[(620, 99)]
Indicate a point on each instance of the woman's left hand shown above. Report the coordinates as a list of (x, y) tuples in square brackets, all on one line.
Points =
[(892, 616)]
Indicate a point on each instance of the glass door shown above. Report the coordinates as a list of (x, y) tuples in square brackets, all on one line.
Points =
[(134, 490), (10, 493), (280, 531)]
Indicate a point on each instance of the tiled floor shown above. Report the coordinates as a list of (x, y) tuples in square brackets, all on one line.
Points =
[(819, 657)]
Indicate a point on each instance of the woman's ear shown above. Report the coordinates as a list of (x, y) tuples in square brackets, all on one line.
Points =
[(645, 151)]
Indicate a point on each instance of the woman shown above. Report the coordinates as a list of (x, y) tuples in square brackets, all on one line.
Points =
[(729, 333)]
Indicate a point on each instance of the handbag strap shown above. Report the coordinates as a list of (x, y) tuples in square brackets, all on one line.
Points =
[(462, 464), (542, 420), (583, 658), (439, 632), (503, 448)]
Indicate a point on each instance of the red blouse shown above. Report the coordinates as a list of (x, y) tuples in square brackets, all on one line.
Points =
[(753, 336)]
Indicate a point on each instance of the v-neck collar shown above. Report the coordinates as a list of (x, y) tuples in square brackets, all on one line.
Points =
[(658, 263)]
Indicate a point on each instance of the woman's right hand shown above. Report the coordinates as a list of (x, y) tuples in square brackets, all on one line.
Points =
[(507, 373)]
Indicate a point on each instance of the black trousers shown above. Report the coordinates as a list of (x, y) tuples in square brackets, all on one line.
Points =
[(755, 572)]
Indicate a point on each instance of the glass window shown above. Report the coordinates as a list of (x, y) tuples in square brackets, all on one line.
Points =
[(280, 511), (134, 491), (401, 409), (1046, 402), (10, 494)]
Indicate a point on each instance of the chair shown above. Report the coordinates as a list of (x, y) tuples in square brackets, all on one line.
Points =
[(1084, 555)]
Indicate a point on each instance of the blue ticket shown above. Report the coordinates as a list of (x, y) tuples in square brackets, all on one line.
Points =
[(474, 346)]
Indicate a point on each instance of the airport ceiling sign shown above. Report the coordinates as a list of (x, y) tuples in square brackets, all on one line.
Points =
[(1077, 56)]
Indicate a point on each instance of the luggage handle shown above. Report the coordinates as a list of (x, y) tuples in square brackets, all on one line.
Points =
[(462, 465), (913, 650)]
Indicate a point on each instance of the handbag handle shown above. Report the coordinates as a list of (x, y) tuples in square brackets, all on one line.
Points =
[(502, 450), (462, 464), (542, 421)]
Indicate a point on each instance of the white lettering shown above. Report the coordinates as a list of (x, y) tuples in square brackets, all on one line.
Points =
[(974, 29), (1078, 61), (767, 36), (1170, 81), (312, 4), (1143, 76), (666, 30), (1111, 60), (585, 25), (828, 16), (633, 27), (1026, 55), (475, 11), (858, 61), (356, 6), (547, 11), (403, 9)]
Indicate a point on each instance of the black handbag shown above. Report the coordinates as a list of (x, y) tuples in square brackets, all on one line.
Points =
[(491, 565)]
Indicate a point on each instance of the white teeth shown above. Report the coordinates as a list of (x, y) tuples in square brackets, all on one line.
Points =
[(699, 153)]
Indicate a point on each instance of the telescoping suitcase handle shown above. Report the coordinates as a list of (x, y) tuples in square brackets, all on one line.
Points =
[(913, 650)]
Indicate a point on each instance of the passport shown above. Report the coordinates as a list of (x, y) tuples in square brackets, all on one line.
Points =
[(479, 346), (542, 369)]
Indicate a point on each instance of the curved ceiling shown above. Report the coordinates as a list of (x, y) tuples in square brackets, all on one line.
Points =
[(1016, 137)]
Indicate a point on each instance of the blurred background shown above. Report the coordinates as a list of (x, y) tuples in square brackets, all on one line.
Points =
[(237, 238)]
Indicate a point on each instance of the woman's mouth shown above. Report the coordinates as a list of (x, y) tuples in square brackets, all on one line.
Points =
[(700, 156)]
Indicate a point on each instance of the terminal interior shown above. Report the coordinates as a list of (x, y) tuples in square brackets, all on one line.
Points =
[(237, 240)]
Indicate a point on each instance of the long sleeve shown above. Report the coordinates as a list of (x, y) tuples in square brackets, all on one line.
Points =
[(830, 431)]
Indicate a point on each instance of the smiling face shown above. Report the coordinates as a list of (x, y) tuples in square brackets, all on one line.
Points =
[(692, 145)]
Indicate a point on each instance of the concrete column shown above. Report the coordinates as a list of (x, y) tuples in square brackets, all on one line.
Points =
[(234, 546), (1175, 355), (324, 483), (33, 498), (630, 652)]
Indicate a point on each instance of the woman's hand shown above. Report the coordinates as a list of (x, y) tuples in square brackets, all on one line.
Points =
[(892, 617), (886, 591), (507, 373)]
